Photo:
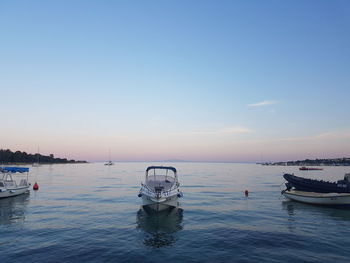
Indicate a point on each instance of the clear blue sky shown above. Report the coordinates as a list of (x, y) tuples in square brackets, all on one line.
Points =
[(193, 80)]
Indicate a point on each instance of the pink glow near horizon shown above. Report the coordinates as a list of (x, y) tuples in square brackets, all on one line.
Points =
[(193, 149)]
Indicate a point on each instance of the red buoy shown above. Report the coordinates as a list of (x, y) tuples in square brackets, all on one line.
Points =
[(246, 192), (35, 186)]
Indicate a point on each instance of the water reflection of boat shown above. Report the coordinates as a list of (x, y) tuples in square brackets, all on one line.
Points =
[(160, 227), (13, 209), (293, 208)]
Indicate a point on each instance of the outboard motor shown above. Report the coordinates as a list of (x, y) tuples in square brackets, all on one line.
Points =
[(347, 178)]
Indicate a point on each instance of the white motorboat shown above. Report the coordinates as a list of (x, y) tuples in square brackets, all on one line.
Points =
[(161, 188), (336, 199), (10, 186)]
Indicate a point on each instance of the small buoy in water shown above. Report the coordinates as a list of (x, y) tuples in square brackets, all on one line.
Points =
[(246, 193), (35, 186)]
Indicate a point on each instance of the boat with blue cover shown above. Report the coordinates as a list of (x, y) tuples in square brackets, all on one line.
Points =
[(318, 186), (160, 190), (13, 182)]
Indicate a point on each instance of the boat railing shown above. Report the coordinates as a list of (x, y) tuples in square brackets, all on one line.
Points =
[(168, 192), (147, 187), (174, 187), (164, 192), (23, 182)]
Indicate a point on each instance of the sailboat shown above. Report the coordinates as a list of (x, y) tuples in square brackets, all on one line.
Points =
[(109, 162), (37, 164)]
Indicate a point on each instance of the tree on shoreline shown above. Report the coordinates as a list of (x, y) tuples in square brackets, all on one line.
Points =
[(318, 162), (7, 156)]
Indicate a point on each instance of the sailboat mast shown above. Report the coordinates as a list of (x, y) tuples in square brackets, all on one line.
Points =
[(38, 154)]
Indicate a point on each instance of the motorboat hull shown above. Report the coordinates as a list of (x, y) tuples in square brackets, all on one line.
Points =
[(160, 191), (161, 204), (13, 192), (333, 199)]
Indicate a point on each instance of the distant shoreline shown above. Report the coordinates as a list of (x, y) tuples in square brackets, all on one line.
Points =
[(317, 162)]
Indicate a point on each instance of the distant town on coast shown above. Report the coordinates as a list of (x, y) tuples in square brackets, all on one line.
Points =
[(317, 162), (9, 157)]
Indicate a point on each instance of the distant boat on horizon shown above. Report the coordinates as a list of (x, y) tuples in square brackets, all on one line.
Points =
[(109, 162), (304, 168)]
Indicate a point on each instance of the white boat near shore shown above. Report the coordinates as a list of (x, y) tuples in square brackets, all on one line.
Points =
[(161, 188), (110, 161), (10, 186), (336, 199)]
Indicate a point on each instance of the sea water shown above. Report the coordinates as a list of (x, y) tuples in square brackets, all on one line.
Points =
[(91, 213)]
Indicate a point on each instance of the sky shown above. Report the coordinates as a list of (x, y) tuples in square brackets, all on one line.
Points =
[(195, 80)]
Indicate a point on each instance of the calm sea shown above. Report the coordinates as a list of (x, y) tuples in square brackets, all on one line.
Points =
[(91, 213)]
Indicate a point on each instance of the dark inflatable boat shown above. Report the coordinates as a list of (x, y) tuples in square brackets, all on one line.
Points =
[(318, 186)]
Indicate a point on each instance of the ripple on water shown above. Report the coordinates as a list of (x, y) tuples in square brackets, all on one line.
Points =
[(87, 213)]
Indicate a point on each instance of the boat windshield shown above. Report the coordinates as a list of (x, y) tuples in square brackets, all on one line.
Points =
[(161, 178)]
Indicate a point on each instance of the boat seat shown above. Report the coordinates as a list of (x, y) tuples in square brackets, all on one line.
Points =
[(158, 188), (160, 181)]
